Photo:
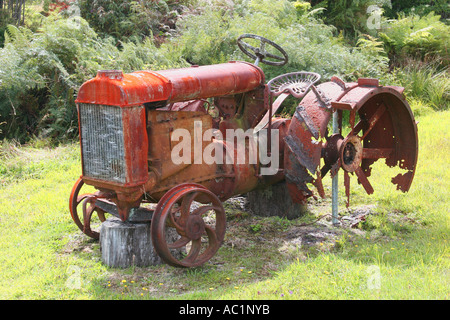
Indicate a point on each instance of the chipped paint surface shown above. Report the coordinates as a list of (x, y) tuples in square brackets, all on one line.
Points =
[(124, 90)]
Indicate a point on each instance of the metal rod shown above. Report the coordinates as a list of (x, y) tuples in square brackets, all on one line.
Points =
[(268, 103), (334, 182)]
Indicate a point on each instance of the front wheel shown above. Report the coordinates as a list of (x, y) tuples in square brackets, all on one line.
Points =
[(197, 217), (85, 202)]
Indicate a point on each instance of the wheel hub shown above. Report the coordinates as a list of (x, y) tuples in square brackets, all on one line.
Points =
[(351, 153), (195, 227)]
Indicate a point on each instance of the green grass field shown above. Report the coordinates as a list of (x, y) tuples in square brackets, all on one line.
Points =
[(400, 252)]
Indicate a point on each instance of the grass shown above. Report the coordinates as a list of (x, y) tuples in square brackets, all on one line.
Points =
[(426, 83), (399, 252)]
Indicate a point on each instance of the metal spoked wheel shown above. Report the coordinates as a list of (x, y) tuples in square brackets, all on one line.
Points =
[(85, 201), (381, 128), (196, 217), (350, 153)]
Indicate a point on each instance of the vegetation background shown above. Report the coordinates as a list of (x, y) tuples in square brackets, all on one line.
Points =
[(48, 48)]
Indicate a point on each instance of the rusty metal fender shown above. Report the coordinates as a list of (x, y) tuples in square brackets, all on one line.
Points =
[(386, 122)]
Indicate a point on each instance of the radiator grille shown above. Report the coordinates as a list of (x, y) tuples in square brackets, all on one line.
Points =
[(102, 142)]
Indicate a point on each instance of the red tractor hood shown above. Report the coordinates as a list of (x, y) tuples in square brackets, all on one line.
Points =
[(112, 87)]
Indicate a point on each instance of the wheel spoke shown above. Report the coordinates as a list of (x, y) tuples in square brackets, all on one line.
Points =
[(187, 203), (212, 237), (318, 184), (324, 170), (347, 187), (179, 243), (100, 214), (195, 250), (262, 46), (87, 215), (363, 180), (83, 196), (372, 121), (202, 210), (174, 221), (273, 56), (248, 46)]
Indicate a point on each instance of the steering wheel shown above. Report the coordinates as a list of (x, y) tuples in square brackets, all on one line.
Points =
[(260, 54)]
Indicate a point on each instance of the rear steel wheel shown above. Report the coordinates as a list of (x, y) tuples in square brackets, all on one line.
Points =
[(381, 125)]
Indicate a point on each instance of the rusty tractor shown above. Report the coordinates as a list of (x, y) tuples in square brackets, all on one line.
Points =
[(127, 124)]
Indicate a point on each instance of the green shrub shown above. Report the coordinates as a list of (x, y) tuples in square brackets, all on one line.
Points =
[(44, 65), (420, 7), (373, 49), (5, 19), (125, 20), (302, 7), (210, 37), (423, 37), (427, 85), (42, 71), (348, 16)]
